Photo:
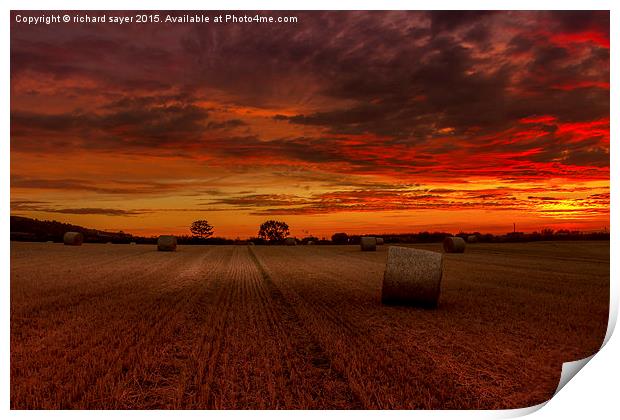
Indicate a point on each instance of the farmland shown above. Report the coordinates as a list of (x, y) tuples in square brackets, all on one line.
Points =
[(219, 327)]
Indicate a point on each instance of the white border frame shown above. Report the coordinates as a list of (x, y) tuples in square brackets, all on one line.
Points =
[(593, 393)]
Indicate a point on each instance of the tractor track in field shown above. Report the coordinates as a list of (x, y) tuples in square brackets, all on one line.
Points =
[(265, 316), (243, 362), (198, 376), (463, 374), (305, 340), (357, 339)]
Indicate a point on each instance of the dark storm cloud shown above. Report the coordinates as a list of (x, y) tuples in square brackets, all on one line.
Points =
[(521, 43), (450, 20), (102, 186), (588, 157), (116, 59), (27, 204), (146, 123), (574, 21), (62, 184), (96, 210), (407, 81), (42, 206), (452, 93), (550, 55), (225, 124)]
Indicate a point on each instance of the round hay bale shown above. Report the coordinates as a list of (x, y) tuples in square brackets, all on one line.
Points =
[(472, 239), (73, 238), (379, 241), (454, 245), (167, 243), (251, 243), (368, 243), (50, 242), (412, 277), (290, 241), (132, 243), (310, 242)]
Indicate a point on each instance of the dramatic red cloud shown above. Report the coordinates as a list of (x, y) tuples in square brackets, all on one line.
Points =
[(567, 39)]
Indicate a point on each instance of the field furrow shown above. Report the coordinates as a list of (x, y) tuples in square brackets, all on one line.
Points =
[(367, 364)]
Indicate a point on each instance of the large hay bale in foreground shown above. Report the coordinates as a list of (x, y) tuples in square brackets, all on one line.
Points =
[(454, 245), (379, 241), (472, 239), (73, 238), (167, 243), (412, 277), (290, 241), (368, 243)]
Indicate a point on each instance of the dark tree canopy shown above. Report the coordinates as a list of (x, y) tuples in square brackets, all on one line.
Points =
[(201, 228), (340, 238), (273, 230)]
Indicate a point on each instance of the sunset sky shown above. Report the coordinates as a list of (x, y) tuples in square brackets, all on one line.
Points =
[(363, 122)]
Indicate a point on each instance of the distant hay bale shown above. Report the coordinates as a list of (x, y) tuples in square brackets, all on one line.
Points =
[(251, 243), (50, 242), (412, 277), (454, 245), (368, 243), (472, 239), (132, 243), (73, 238), (310, 242), (290, 241), (167, 243), (379, 241), (108, 243)]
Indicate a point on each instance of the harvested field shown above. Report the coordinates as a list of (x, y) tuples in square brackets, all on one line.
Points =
[(119, 326)]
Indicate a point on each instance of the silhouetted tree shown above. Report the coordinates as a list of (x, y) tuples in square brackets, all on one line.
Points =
[(547, 232), (340, 238), (201, 228), (273, 230)]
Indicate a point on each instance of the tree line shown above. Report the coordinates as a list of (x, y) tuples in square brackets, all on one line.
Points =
[(274, 232)]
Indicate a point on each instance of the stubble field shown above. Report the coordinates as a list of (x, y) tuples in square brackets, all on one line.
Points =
[(127, 327)]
